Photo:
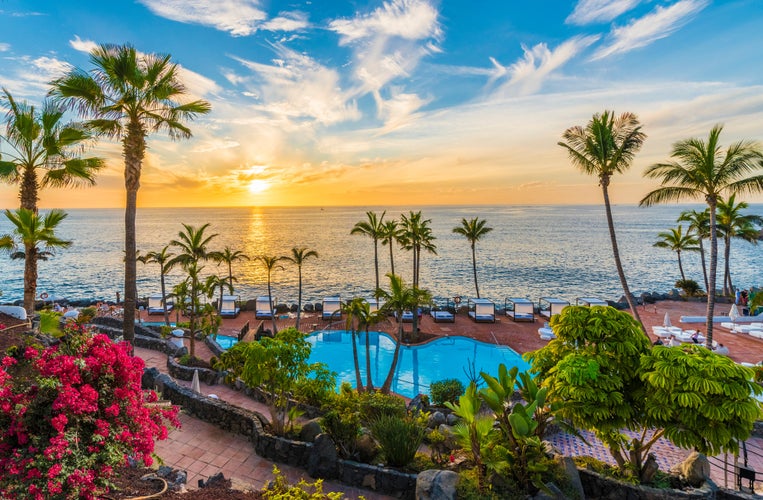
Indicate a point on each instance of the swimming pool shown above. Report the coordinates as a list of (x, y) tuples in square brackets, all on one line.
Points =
[(225, 341), (153, 323), (418, 366)]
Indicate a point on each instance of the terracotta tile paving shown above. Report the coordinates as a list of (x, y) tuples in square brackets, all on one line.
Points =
[(195, 438)]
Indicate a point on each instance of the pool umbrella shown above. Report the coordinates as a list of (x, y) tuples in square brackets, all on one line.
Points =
[(195, 382), (734, 313), (666, 322)]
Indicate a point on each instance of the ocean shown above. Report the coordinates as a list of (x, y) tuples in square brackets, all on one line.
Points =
[(533, 251)]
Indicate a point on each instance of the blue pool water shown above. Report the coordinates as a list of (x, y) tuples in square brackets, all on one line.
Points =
[(153, 323), (225, 341), (418, 366)]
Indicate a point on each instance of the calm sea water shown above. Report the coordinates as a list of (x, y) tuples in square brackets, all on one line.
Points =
[(533, 251)]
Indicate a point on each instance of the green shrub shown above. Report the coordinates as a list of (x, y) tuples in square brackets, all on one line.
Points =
[(344, 429), (316, 390), (280, 489), (689, 287), (399, 438), (446, 391), (375, 404)]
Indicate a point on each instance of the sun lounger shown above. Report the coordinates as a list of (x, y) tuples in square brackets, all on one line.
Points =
[(229, 306), (549, 306), (155, 305), (546, 333), (443, 313), (519, 309), (262, 309), (722, 319), (332, 308), (408, 316), (590, 302), (481, 310)]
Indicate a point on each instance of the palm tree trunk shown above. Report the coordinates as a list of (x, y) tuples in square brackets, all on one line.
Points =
[(702, 259), (711, 203), (616, 252), (474, 269), (356, 362), (164, 302), (369, 383), (299, 296), (30, 278), (681, 267), (727, 258), (376, 261), (391, 259), (272, 309), (28, 194), (134, 148), (390, 375)]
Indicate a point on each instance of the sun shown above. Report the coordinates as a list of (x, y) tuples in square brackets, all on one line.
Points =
[(257, 186)]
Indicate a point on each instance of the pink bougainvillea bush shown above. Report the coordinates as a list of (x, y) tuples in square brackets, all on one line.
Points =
[(71, 413)]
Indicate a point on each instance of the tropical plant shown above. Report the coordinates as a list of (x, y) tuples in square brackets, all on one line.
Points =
[(298, 256), (446, 391), (676, 241), (416, 235), (689, 287), (373, 229), (399, 438), (78, 410), (277, 365), (605, 147), (702, 169), (473, 230), (390, 233), (44, 152), (36, 234), (271, 263), (193, 245), (355, 310), (126, 96), (228, 256), (733, 224), (341, 420), (280, 489), (699, 226), (163, 258)]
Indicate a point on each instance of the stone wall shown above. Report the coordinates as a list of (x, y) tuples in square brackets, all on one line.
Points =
[(182, 372)]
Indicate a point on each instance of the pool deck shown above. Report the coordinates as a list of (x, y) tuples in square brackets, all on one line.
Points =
[(203, 450)]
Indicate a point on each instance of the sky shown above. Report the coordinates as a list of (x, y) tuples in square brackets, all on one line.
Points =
[(399, 102)]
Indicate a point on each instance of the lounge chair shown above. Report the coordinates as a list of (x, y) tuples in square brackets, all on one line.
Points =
[(408, 316), (443, 313), (590, 302), (723, 319), (262, 309), (229, 306), (155, 305), (519, 309), (549, 306), (482, 310), (374, 304), (332, 308), (546, 332)]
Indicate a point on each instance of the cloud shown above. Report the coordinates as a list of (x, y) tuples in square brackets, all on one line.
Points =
[(83, 45), (399, 109), (599, 11), (408, 19), (5, 47), (238, 17), (289, 21), (527, 75), (659, 23)]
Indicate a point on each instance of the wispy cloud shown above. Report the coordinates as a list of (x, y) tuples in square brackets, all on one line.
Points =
[(287, 21), (83, 45), (5, 47), (659, 23), (599, 11), (527, 75), (409, 19), (238, 17)]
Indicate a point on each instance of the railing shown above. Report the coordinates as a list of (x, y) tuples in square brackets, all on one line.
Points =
[(737, 470), (243, 332)]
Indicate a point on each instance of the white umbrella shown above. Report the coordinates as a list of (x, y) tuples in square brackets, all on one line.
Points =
[(666, 322), (734, 313), (195, 382), (72, 313)]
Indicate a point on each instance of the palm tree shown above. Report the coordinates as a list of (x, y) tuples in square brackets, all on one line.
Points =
[(298, 256), (128, 95), (366, 321), (164, 258), (733, 224), (271, 263), (702, 169), (390, 233), (473, 230), (605, 147), (417, 236), (43, 150), (677, 241), (228, 256), (356, 310), (193, 245), (373, 229), (34, 233), (699, 226), (399, 298)]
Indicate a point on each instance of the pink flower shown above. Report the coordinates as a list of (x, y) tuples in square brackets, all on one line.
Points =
[(59, 422)]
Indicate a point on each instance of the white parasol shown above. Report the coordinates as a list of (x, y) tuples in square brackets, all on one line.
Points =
[(666, 322), (195, 382), (734, 313)]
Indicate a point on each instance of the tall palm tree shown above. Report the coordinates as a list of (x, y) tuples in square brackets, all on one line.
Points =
[(193, 246), (164, 258), (399, 298), (356, 310), (699, 226), (390, 233), (732, 223), (366, 321), (678, 242), (271, 263), (298, 256), (128, 95), (373, 229), (43, 151), (473, 230), (702, 169), (417, 236), (36, 234), (605, 147), (228, 256)]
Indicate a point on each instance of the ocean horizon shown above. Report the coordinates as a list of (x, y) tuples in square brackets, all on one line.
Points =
[(533, 251)]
